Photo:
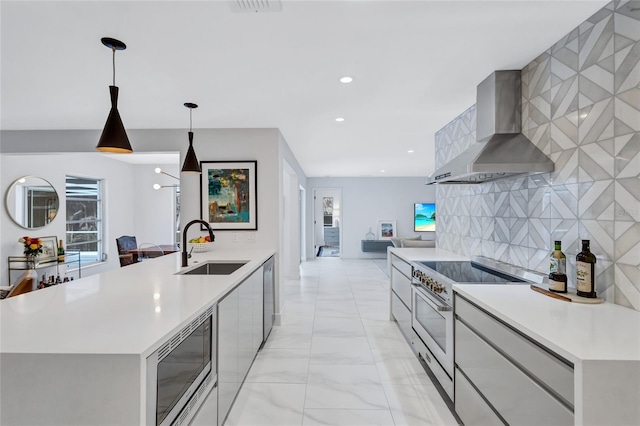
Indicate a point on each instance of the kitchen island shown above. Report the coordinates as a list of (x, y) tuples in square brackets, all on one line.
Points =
[(583, 359), (76, 353)]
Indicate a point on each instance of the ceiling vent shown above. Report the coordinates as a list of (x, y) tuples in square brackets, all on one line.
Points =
[(241, 6)]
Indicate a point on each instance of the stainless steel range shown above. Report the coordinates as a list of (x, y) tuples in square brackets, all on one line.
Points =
[(432, 303)]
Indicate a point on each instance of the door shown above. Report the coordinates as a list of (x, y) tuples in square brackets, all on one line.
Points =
[(327, 216)]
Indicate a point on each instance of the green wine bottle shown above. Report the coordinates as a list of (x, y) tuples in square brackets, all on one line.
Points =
[(558, 269)]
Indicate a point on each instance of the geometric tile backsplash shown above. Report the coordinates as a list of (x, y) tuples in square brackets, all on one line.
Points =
[(581, 107)]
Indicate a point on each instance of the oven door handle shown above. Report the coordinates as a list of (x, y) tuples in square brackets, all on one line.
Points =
[(436, 306)]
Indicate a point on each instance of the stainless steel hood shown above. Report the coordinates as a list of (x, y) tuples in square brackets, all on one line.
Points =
[(501, 150)]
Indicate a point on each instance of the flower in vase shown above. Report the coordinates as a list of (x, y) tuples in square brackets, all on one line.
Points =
[(32, 246)]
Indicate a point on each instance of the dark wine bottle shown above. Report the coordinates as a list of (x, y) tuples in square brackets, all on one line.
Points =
[(586, 272)]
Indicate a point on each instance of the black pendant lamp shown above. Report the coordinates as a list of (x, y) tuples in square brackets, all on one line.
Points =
[(114, 138), (191, 164)]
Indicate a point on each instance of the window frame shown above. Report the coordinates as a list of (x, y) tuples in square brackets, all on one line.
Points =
[(97, 197)]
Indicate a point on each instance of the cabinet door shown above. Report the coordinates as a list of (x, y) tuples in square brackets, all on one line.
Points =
[(258, 306), (513, 394), (228, 383), (245, 322)]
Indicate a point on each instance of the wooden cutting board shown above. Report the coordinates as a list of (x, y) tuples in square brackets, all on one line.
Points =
[(570, 296)]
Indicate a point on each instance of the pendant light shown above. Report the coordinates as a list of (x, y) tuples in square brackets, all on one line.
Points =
[(114, 138), (191, 164)]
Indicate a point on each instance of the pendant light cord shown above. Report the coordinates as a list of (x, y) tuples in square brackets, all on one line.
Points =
[(114, 65), (190, 122)]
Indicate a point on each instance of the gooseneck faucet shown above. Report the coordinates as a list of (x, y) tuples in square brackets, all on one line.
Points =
[(185, 255)]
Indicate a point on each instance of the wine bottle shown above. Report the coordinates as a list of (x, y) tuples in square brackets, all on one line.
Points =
[(558, 269), (60, 252), (586, 272)]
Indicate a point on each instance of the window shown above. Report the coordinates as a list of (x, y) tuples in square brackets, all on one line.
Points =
[(84, 218)]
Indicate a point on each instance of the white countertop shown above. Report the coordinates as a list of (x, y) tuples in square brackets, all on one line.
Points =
[(130, 310), (576, 331)]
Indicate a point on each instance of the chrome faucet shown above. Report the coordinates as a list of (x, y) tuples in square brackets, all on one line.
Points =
[(185, 255)]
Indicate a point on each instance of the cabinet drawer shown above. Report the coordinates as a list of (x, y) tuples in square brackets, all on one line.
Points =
[(401, 286), (470, 406), (518, 399), (402, 314), (549, 369), (401, 266)]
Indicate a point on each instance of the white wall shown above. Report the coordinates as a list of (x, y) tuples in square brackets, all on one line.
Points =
[(153, 210), (367, 200), (118, 190)]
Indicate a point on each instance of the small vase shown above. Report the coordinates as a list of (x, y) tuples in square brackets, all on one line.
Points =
[(32, 261), (370, 235)]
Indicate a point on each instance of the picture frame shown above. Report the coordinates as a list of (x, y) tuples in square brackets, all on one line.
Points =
[(424, 217), (387, 229), (228, 195), (49, 248)]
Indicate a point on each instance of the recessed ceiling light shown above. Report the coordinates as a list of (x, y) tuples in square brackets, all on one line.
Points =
[(346, 79), (382, 171), (410, 151), (339, 119)]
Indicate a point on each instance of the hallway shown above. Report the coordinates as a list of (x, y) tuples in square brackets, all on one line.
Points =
[(337, 359)]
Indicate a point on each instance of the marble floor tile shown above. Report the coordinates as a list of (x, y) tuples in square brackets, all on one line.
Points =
[(339, 350), (374, 314), (417, 405), (403, 371), (336, 309), (290, 337), (338, 327), (268, 404), (329, 374), (337, 417), (382, 337), (300, 320), (363, 397), (299, 308), (280, 366)]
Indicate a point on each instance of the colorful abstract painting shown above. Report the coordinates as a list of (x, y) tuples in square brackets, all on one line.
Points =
[(228, 194)]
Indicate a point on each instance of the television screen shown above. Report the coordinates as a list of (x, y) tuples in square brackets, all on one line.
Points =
[(424, 217)]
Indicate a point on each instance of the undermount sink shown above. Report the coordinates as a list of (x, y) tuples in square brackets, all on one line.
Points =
[(215, 268)]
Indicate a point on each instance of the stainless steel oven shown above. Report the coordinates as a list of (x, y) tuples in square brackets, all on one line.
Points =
[(433, 321)]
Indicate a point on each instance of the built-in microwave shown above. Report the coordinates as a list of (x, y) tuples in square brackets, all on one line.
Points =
[(181, 372)]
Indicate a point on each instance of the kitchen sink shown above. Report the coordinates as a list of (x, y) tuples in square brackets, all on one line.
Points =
[(215, 268)]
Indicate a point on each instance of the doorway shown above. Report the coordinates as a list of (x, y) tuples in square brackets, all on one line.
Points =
[(327, 221)]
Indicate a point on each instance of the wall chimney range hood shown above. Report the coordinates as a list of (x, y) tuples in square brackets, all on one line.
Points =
[(501, 151)]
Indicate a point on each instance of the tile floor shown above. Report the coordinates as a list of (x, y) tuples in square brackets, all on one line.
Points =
[(337, 359)]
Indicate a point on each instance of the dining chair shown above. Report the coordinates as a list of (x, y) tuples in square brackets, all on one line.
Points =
[(125, 244)]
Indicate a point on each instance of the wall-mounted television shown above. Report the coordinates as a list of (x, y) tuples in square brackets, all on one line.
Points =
[(424, 217)]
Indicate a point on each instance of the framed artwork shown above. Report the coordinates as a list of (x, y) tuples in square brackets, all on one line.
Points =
[(228, 194), (49, 248), (424, 217), (386, 229)]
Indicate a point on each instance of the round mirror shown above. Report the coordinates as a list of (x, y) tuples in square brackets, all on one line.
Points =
[(32, 202)]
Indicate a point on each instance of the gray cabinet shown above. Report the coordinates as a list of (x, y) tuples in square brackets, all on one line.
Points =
[(240, 329), (503, 374), (268, 302), (331, 236), (375, 245), (228, 332), (400, 277)]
